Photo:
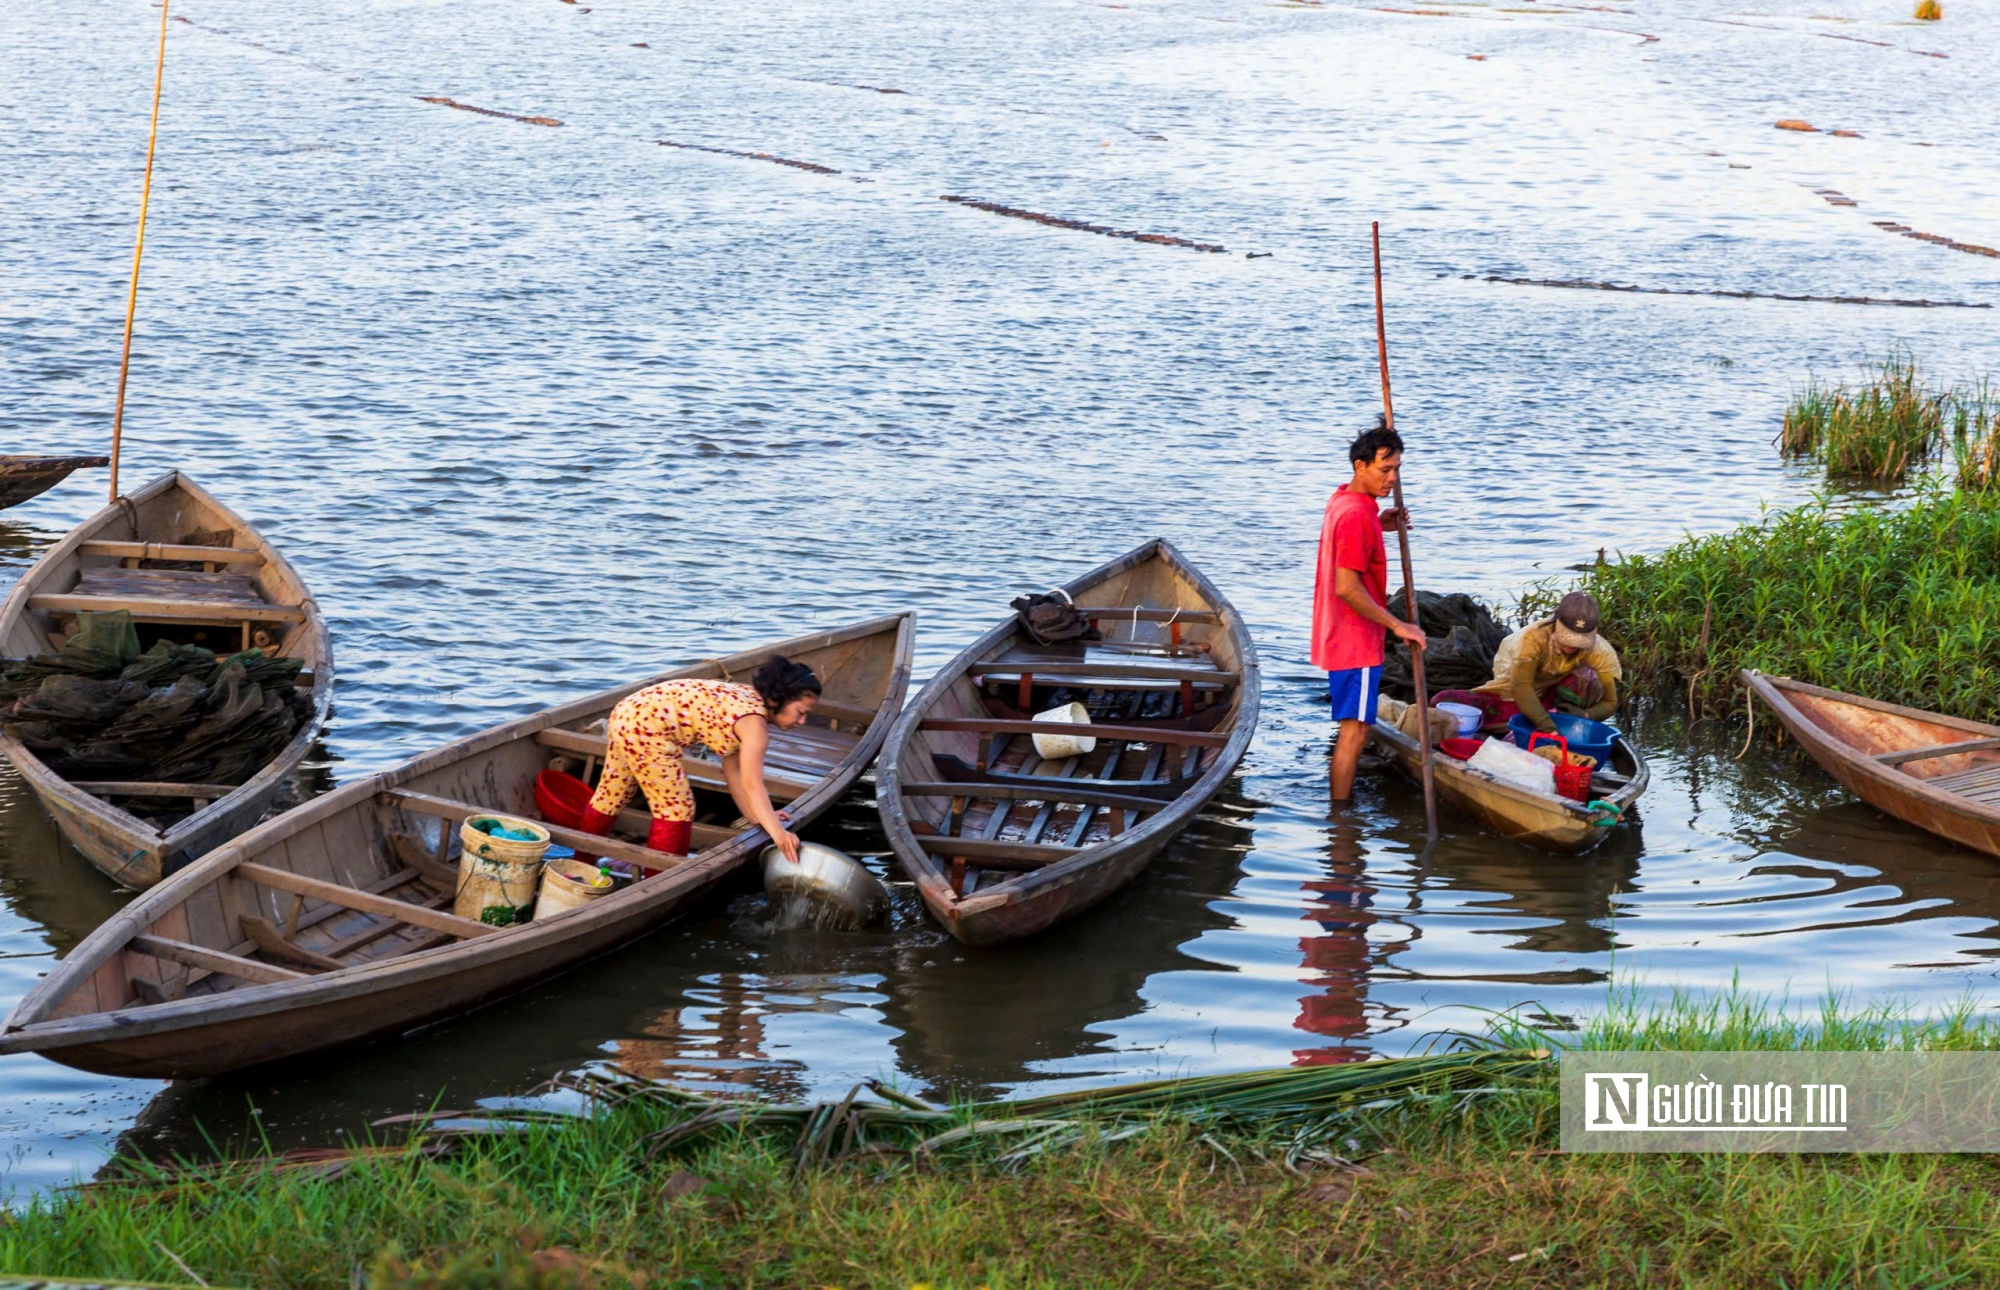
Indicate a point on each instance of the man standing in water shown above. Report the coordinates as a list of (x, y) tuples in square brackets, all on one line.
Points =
[(1351, 596)]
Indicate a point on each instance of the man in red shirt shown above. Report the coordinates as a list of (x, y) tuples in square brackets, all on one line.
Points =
[(1351, 595)]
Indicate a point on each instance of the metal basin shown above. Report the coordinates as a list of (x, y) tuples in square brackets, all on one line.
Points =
[(830, 879)]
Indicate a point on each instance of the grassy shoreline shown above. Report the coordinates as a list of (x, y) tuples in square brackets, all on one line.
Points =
[(1451, 1179)]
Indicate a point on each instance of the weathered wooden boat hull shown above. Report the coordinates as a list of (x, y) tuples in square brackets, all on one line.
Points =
[(1513, 813), (1034, 901), (125, 847), (24, 477), (86, 1014), (1846, 733)]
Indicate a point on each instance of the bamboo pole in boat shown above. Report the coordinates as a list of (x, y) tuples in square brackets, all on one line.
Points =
[(1403, 540), (138, 249)]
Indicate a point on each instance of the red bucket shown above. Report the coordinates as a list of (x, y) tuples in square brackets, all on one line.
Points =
[(561, 798), (1459, 749)]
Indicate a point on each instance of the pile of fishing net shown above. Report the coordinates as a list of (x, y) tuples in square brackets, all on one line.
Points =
[(1464, 637), (102, 710)]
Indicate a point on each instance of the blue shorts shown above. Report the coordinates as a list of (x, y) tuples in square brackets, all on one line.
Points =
[(1354, 693)]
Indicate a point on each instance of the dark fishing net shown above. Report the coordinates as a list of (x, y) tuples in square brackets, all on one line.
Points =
[(1464, 636), (101, 710)]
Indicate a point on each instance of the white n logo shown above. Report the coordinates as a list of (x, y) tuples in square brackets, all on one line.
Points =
[(1616, 1101)]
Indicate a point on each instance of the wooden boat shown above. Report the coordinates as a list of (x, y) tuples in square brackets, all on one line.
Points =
[(1540, 820), (1003, 844), (331, 924), (24, 477), (1939, 773), (188, 569)]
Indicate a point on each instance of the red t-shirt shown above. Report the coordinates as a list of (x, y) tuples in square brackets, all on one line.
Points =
[(1350, 538)]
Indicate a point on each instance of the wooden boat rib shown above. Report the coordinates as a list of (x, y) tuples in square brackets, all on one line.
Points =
[(136, 554), (1003, 844), (1940, 773), (1539, 820), (24, 477), (331, 924)]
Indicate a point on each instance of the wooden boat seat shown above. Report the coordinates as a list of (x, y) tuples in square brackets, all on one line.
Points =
[(169, 595), (1095, 667), (1902, 755), (708, 772), (1063, 791), (704, 835), (1980, 784), (1145, 614), (171, 551), (987, 854)]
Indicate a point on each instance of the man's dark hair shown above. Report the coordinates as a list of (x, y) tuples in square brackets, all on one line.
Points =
[(1362, 451)]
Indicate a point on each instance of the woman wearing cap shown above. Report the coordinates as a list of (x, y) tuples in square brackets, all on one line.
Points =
[(649, 731), (1560, 662)]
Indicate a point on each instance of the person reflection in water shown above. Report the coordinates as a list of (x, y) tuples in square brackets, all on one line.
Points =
[(1336, 961), (1351, 597)]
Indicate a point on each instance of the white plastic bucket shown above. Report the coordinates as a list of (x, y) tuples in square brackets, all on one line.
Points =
[(1058, 746), (1468, 717)]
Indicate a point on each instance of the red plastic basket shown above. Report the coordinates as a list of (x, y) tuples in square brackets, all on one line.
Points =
[(1572, 782), (561, 798)]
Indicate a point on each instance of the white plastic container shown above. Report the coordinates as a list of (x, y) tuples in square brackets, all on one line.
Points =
[(1057, 747), (1468, 717), (1518, 767)]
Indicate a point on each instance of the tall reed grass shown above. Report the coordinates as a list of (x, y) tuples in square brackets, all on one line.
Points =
[(1896, 603), (1877, 432)]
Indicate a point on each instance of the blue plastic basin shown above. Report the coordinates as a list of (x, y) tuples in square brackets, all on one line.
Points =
[(1590, 738)]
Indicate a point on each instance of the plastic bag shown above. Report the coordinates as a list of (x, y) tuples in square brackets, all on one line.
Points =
[(1517, 766)]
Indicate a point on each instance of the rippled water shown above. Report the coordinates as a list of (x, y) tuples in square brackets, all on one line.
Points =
[(537, 408)]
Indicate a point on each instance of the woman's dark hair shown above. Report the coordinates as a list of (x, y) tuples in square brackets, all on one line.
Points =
[(1362, 451), (780, 681)]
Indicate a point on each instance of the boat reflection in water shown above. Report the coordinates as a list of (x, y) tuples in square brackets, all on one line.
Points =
[(978, 1023)]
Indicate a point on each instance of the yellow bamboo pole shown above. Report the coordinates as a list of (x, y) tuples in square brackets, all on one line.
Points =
[(138, 249)]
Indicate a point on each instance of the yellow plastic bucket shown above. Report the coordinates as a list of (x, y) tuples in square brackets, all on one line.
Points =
[(497, 877), (567, 885)]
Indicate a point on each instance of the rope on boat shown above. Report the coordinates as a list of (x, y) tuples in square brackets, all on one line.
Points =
[(1604, 815), (138, 248)]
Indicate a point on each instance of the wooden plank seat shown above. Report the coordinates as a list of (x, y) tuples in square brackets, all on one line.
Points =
[(957, 771), (1133, 734), (703, 771), (704, 835), (1900, 756), (989, 854), (1147, 615), (195, 956), (135, 788), (1981, 784), (1114, 671), (171, 551), (170, 584), (366, 902), (1072, 792), (170, 609)]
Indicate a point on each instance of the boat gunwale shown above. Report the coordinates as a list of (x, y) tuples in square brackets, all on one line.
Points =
[(24, 1030), (1174, 813), (319, 654)]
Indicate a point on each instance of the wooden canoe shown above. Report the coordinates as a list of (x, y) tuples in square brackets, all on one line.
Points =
[(331, 924), (1939, 773), (1003, 844), (24, 477), (135, 555), (1539, 820)]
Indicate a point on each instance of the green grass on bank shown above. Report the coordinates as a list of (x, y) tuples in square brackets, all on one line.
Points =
[(1445, 1188), (1900, 604)]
